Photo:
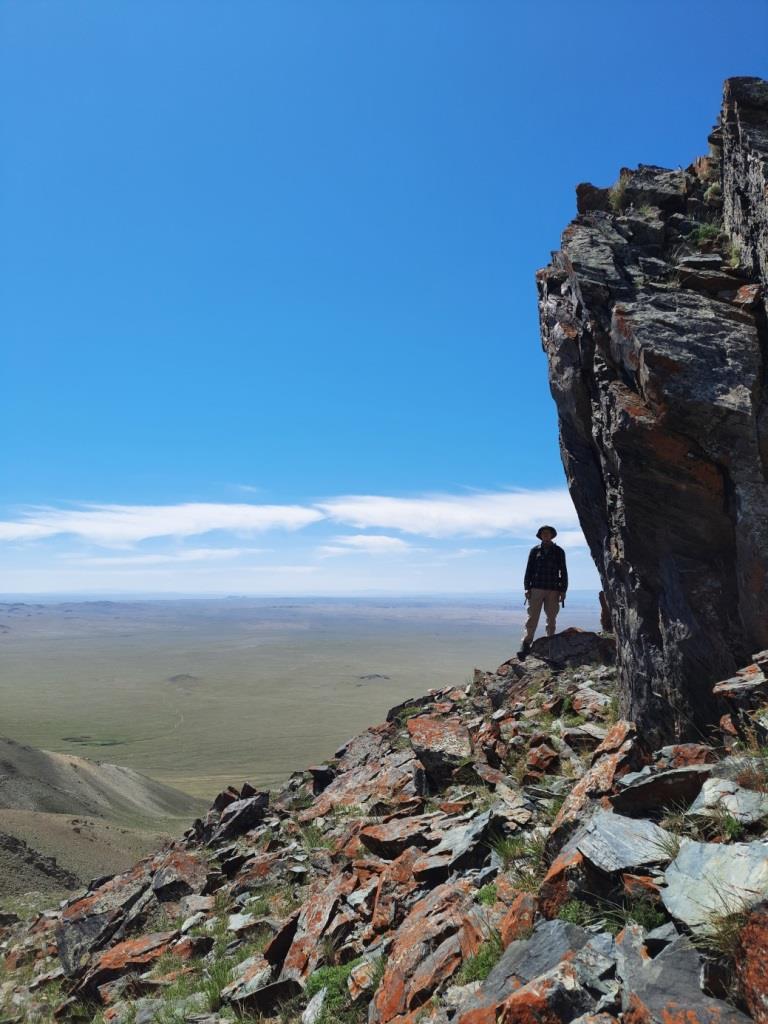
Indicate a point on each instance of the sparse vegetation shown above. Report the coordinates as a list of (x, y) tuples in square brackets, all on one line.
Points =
[(612, 712), (486, 895), (642, 911), (703, 233), (523, 856), (617, 193), (724, 925), (314, 838), (479, 966), (338, 1007), (576, 912)]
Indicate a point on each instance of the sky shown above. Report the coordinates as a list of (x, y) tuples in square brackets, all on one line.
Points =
[(267, 277)]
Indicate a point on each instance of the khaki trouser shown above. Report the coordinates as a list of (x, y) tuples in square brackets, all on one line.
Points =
[(550, 600)]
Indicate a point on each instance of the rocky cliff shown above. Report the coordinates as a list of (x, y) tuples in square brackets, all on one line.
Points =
[(653, 319)]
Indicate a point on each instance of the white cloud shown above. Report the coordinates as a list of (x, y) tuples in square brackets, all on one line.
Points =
[(489, 514), (373, 542), (364, 543), (118, 525), (169, 558)]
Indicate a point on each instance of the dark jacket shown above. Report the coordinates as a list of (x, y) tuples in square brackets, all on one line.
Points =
[(546, 569)]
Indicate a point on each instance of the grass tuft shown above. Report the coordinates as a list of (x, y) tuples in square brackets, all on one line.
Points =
[(479, 966), (617, 194)]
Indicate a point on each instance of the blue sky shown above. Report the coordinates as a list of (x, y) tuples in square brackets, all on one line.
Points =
[(267, 276)]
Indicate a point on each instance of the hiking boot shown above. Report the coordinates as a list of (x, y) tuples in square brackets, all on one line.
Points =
[(524, 651)]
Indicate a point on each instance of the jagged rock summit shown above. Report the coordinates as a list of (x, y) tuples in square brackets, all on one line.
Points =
[(653, 319)]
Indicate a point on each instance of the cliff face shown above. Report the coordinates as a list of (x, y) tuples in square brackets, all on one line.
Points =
[(653, 319)]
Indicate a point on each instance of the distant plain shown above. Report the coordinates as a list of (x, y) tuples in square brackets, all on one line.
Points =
[(200, 694)]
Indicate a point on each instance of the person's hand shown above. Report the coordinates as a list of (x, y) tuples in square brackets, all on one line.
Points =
[(562, 599), (527, 595)]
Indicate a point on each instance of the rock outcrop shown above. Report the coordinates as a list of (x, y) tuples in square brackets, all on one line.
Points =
[(502, 851), (653, 319)]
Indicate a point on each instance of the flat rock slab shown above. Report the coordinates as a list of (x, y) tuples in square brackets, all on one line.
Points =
[(710, 879), (745, 805), (612, 842)]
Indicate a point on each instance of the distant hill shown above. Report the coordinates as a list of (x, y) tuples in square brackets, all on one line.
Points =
[(65, 819), (39, 780)]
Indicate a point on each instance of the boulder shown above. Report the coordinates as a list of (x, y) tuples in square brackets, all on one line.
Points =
[(558, 960), (462, 846), (240, 816), (124, 957), (392, 837), (612, 842), (249, 976), (648, 791)]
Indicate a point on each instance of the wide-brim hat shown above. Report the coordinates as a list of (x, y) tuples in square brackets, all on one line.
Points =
[(538, 532)]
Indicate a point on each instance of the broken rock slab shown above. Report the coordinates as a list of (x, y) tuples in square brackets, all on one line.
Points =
[(647, 791), (441, 930), (552, 944), (666, 989), (463, 845), (708, 880), (612, 842), (745, 805)]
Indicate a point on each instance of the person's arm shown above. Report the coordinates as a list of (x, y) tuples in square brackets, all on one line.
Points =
[(528, 572), (563, 575)]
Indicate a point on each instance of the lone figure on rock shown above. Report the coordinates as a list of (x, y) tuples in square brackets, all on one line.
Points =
[(546, 581)]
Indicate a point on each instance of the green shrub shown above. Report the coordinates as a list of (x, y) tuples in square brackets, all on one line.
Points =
[(705, 233), (486, 895), (576, 912)]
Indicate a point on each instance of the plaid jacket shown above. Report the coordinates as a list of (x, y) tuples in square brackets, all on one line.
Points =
[(546, 569)]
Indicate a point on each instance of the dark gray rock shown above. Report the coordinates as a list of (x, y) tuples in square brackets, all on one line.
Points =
[(647, 792), (666, 988), (612, 842), (574, 647), (663, 417), (240, 816)]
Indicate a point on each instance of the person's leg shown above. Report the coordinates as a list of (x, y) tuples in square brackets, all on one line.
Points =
[(535, 601), (551, 608)]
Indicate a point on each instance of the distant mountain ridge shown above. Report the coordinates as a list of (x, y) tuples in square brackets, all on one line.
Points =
[(40, 780)]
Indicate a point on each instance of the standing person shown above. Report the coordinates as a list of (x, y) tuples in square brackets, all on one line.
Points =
[(546, 581)]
